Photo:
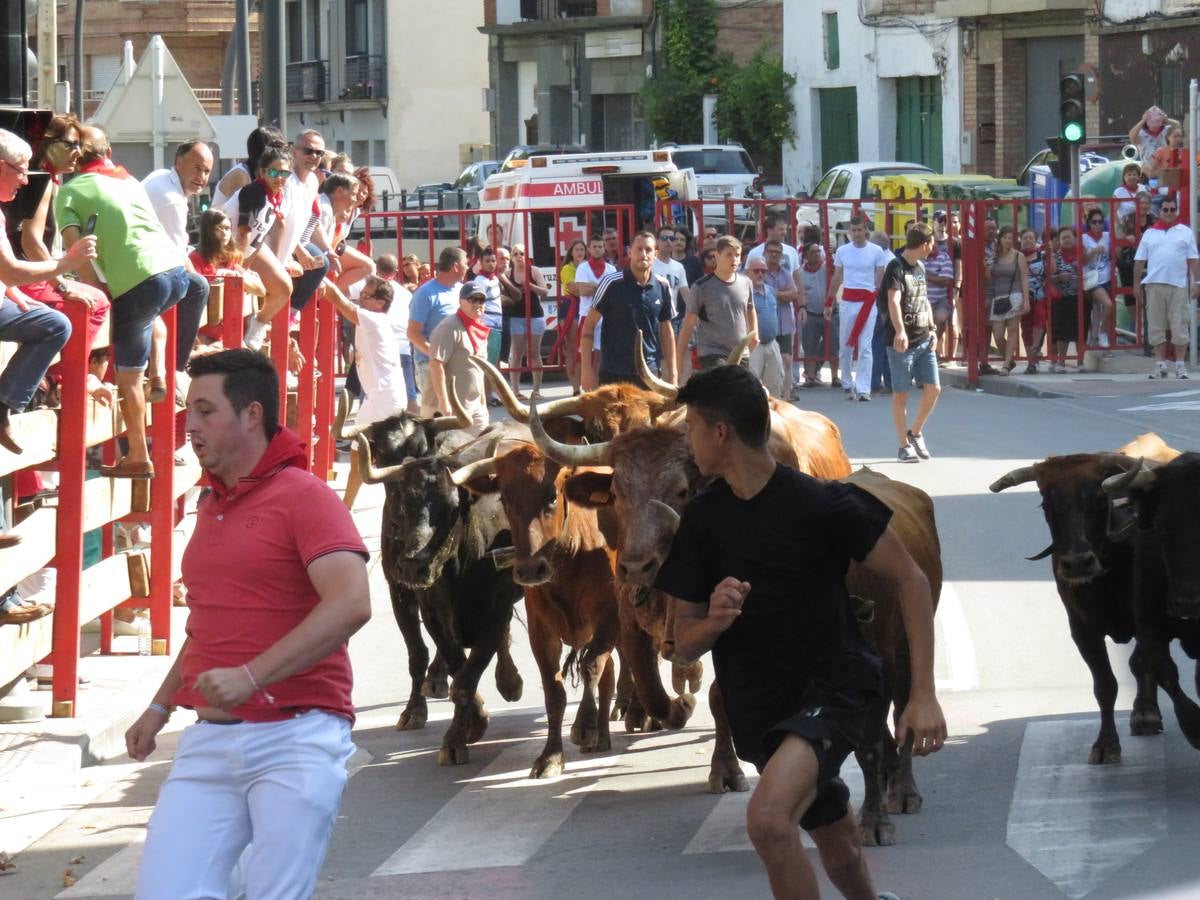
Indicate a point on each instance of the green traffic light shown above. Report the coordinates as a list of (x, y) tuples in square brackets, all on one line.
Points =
[(1072, 132)]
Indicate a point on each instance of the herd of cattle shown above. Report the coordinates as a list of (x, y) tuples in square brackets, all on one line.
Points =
[(574, 505)]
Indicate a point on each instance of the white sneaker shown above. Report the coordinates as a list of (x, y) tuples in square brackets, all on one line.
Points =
[(1104, 339), (917, 442), (1181, 369), (255, 334), (907, 454)]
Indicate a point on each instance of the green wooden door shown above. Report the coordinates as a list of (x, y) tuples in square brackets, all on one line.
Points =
[(919, 121), (839, 126)]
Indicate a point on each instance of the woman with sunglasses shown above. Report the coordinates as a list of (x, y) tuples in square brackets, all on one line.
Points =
[(29, 222), (259, 140), (1097, 272), (259, 207)]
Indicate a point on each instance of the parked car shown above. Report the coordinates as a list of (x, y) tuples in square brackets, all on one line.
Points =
[(847, 184), (721, 169), (1090, 156), (462, 193)]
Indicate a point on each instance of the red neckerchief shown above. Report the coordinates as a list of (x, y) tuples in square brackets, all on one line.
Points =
[(476, 331), (597, 266), (1096, 234), (49, 169), (1032, 252), (276, 200), (1070, 257), (103, 166), (1161, 225)]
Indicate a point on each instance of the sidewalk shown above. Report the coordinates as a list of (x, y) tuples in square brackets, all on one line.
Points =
[(1126, 372)]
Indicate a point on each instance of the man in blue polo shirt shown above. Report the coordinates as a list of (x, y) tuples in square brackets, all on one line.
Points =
[(432, 302), (628, 301)]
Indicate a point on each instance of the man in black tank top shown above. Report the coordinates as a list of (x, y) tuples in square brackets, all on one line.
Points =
[(759, 564)]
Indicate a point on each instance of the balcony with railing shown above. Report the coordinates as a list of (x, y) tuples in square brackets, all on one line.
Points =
[(308, 82), (951, 9), (364, 78)]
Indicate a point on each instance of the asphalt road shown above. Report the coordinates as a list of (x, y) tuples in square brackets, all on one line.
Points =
[(1012, 810)]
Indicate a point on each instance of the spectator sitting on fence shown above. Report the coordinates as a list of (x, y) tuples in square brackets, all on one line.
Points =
[(337, 200), (216, 255), (1149, 134), (39, 331), (1170, 167), (31, 231), (242, 174), (145, 274)]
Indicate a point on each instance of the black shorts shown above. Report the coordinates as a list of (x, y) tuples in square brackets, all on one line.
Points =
[(785, 343), (833, 722)]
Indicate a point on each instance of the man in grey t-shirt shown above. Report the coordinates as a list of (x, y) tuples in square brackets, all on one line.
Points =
[(720, 309)]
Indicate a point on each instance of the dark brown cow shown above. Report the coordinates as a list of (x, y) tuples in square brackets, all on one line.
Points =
[(1092, 558), (562, 562), (652, 477)]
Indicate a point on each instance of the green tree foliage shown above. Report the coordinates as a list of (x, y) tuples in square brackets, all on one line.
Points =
[(754, 105)]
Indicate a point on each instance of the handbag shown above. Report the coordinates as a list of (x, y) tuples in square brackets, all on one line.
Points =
[(1091, 279), (1002, 306)]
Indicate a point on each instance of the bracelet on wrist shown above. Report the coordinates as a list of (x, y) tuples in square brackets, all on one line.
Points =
[(159, 708)]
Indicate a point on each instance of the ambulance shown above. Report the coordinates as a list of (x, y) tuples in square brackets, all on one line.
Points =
[(548, 202)]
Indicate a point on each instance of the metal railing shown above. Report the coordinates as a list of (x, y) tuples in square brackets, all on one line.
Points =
[(364, 78), (557, 9), (308, 82)]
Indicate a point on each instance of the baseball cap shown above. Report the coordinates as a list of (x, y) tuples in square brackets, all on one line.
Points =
[(471, 289), (939, 216)]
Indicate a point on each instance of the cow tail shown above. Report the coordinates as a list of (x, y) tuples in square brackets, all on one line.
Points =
[(571, 668)]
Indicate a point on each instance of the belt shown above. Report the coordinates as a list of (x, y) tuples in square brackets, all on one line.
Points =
[(286, 712)]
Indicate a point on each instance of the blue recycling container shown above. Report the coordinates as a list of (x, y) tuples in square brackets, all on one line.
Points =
[(1044, 186)]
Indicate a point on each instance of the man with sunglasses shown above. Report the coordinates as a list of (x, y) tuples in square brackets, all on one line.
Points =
[(299, 241), (1166, 278), (454, 341)]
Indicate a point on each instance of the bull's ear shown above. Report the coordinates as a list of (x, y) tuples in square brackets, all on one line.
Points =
[(482, 484), (609, 525), (590, 489)]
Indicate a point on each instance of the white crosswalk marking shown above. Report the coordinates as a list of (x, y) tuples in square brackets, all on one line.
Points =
[(725, 827), (1063, 813), (503, 815), (957, 668)]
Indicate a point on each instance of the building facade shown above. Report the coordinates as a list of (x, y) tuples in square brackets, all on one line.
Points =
[(569, 71), (875, 80)]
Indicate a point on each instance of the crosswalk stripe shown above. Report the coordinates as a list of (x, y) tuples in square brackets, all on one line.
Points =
[(1065, 813), (501, 818), (724, 829), (955, 645)]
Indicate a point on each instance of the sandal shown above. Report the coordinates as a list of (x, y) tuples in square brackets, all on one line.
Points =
[(19, 615), (987, 369), (156, 390), (128, 469)]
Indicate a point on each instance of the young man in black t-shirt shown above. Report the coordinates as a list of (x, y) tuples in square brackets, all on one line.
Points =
[(911, 334), (759, 567)]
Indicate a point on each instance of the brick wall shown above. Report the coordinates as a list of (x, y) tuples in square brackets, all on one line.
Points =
[(1010, 108), (985, 140), (907, 7), (489, 12), (742, 31)]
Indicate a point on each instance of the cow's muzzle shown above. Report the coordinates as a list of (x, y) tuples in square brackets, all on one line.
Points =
[(1184, 603), (1078, 568), (533, 571)]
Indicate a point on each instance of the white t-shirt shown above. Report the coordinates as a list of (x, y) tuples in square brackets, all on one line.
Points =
[(170, 204), (584, 274), (378, 358), (298, 199), (858, 264), (1125, 209), (1102, 265), (493, 313), (1166, 253), (673, 272), (789, 262), (219, 199), (398, 314)]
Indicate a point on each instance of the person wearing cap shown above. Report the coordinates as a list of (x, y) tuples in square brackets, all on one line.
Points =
[(451, 345)]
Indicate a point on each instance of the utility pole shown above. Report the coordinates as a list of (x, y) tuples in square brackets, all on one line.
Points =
[(272, 30), (47, 52)]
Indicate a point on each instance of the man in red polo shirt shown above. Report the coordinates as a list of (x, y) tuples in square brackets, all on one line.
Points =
[(277, 582)]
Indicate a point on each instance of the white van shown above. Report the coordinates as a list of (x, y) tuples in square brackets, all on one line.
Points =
[(721, 169), (518, 205)]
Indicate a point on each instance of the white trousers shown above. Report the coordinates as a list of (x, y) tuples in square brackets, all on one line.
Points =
[(767, 363), (274, 787), (860, 380)]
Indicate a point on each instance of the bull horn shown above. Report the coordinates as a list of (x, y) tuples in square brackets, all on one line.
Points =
[(568, 455), (518, 410), (460, 419), (662, 388), (1138, 477), (563, 406), (340, 433), (735, 356), (1013, 478), (667, 513), (463, 474), (366, 466)]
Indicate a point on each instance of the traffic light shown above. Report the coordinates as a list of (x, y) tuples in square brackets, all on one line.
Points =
[(1072, 126), (1059, 161)]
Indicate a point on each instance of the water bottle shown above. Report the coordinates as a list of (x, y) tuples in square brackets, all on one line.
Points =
[(143, 635)]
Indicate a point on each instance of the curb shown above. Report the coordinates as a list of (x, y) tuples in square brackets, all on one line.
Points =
[(1000, 386)]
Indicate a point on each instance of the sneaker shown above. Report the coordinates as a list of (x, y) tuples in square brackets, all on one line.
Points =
[(1161, 373), (1181, 369), (917, 442), (1031, 369), (1060, 369), (255, 334), (907, 454), (863, 397), (1103, 340)]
